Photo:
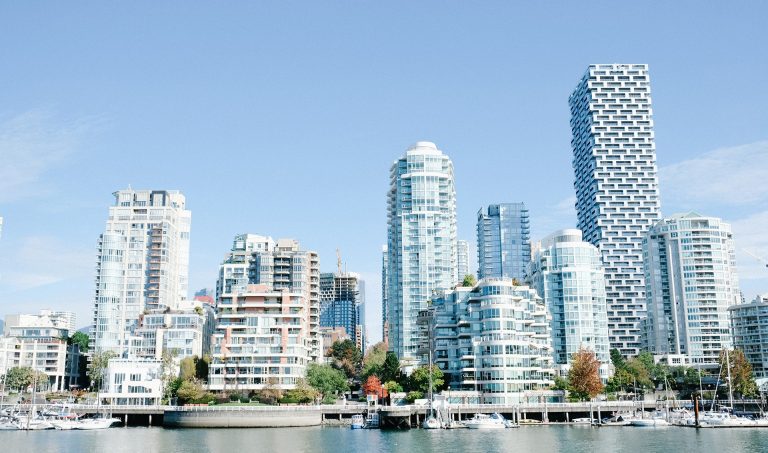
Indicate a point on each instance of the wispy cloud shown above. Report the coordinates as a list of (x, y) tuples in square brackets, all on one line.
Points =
[(44, 260), (750, 236), (729, 176), (31, 144), (553, 217)]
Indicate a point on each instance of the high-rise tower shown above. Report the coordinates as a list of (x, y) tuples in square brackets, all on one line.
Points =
[(503, 241), (462, 260), (142, 263), (421, 241), (616, 182)]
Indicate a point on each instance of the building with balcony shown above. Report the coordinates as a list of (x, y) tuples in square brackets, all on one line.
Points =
[(186, 331), (691, 282), (133, 381), (142, 263), (749, 328), (342, 301), (568, 274), (494, 338)]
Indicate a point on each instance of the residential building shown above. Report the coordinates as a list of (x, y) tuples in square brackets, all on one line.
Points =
[(494, 338), (749, 327), (503, 241), (40, 342), (262, 336), (616, 183), (186, 331), (384, 295), (421, 242), (142, 263), (233, 271), (568, 273), (462, 260), (136, 382), (270, 328), (341, 301), (691, 281)]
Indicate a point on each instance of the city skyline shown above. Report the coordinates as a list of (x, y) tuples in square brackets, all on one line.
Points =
[(68, 143)]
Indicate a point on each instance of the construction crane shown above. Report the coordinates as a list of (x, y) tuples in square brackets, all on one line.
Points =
[(762, 260), (338, 260)]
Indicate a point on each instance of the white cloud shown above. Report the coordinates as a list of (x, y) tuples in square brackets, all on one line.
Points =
[(44, 260), (553, 217), (750, 235), (727, 176), (31, 144)]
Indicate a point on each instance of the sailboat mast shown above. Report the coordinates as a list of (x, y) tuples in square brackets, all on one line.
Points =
[(730, 387)]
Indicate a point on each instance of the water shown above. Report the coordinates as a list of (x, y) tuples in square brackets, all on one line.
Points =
[(543, 439)]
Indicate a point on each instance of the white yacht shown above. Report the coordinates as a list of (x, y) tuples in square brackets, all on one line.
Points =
[(96, 423), (358, 422), (485, 421)]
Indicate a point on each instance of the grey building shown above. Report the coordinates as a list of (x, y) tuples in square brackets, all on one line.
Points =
[(503, 241)]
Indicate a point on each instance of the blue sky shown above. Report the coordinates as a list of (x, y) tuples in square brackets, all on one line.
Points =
[(282, 118)]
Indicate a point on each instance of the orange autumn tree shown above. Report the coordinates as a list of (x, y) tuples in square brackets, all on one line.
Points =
[(584, 376), (373, 386)]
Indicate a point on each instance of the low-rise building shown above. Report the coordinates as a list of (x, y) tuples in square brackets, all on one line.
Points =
[(132, 382), (185, 331)]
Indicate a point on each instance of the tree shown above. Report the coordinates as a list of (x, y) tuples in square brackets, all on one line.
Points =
[(469, 281), (620, 380), (420, 378), (560, 383), (201, 368), (168, 372), (271, 393), (81, 340), (99, 364), (390, 369), (742, 380), (393, 386), (374, 360), (302, 393), (346, 357), (22, 378), (327, 380), (584, 375), (617, 359), (639, 374), (187, 370), (190, 391), (373, 386)]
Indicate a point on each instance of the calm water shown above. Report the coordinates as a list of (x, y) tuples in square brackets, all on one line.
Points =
[(338, 440)]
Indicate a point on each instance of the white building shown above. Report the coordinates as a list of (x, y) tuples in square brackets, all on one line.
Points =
[(749, 327), (142, 263), (233, 271), (39, 342), (186, 331), (133, 382), (568, 274), (691, 281), (462, 260), (494, 338), (616, 182), (421, 242)]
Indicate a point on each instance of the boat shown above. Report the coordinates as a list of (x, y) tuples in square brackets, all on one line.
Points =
[(656, 419), (358, 422), (485, 421), (582, 421), (96, 423), (431, 422), (617, 420), (372, 420)]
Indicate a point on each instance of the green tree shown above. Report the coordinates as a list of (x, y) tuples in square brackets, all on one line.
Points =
[(419, 379), (584, 375), (81, 340), (393, 386), (742, 379), (346, 357), (169, 371), (99, 364), (302, 393), (469, 281), (617, 359), (620, 380), (187, 369), (190, 391), (639, 373), (560, 383), (201, 368), (271, 393), (327, 380), (22, 378), (390, 369), (374, 360)]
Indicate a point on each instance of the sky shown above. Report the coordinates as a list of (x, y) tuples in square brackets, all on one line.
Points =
[(283, 118)]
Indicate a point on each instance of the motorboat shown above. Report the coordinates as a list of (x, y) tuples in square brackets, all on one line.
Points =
[(582, 421), (485, 421), (358, 422), (724, 419), (617, 420), (96, 423), (656, 419)]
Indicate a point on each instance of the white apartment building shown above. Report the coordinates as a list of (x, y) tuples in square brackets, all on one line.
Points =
[(691, 282), (616, 183), (132, 382), (421, 242), (462, 260), (749, 327), (142, 263), (186, 331)]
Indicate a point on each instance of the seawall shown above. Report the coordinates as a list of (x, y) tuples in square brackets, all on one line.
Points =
[(242, 417)]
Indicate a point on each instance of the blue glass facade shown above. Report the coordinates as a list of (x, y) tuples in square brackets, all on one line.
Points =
[(503, 241)]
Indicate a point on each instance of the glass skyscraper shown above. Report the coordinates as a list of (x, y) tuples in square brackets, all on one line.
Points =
[(503, 241), (568, 274), (421, 242), (690, 277), (616, 183)]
